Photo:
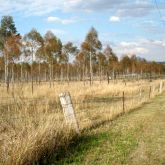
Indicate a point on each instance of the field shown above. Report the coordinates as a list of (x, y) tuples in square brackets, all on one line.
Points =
[(137, 138), (33, 126)]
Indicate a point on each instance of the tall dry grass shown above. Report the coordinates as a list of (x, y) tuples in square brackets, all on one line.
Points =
[(33, 126)]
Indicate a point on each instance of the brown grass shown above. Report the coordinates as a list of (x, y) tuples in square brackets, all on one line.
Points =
[(33, 126)]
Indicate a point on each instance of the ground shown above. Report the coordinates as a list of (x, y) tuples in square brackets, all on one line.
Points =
[(137, 138)]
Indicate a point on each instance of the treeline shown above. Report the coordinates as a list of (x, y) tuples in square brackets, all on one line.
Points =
[(34, 57)]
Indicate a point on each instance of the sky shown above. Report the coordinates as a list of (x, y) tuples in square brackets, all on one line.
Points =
[(128, 26)]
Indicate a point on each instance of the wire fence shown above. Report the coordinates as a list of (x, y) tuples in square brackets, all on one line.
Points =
[(90, 110)]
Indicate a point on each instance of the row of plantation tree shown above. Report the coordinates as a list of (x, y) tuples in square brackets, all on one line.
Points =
[(36, 58)]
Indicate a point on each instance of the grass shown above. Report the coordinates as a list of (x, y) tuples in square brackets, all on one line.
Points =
[(136, 138), (33, 126)]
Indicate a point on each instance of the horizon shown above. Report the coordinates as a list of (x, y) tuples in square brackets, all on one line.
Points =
[(129, 27)]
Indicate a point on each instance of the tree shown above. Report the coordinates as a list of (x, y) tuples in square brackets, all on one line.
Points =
[(102, 63), (126, 64), (92, 45), (12, 48), (7, 31), (68, 50), (50, 51), (81, 61), (1, 67), (32, 41), (111, 59), (133, 63)]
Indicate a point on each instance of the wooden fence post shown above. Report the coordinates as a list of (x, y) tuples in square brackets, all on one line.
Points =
[(140, 92), (160, 88), (108, 77), (150, 92), (123, 102), (68, 111), (153, 90)]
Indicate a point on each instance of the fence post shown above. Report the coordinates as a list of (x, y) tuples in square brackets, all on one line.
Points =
[(68, 111), (108, 77), (140, 92), (153, 90), (160, 88), (123, 98), (150, 92)]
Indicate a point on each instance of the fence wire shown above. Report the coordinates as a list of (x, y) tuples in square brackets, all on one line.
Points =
[(88, 108)]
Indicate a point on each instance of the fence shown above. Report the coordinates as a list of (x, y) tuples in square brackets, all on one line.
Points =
[(89, 110), (94, 110)]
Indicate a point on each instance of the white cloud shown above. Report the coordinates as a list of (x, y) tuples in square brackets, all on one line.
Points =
[(128, 44), (53, 19), (139, 8), (130, 48), (152, 42), (62, 21), (133, 50), (114, 19), (136, 50), (40, 7), (145, 48)]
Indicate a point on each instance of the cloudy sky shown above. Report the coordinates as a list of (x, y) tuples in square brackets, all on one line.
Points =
[(129, 26)]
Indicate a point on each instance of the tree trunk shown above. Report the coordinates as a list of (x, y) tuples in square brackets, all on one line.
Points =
[(84, 73), (91, 72), (39, 70), (100, 72), (21, 74), (13, 75), (32, 74), (50, 77), (52, 74), (108, 77), (68, 73), (61, 75), (7, 73)]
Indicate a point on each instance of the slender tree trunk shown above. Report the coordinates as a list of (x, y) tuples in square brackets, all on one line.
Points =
[(84, 73), (49, 75), (100, 72), (108, 77), (32, 74), (91, 72), (21, 73), (7, 73), (26, 76), (68, 73), (45, 75), (13, 76), (5, 59), (61, 75), (52, 74), (39, 76), (6, 69)]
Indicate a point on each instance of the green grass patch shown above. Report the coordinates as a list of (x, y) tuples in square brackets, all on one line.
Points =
[(94, 146)]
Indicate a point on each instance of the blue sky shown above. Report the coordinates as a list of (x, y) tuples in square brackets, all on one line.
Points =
[(129, 26)]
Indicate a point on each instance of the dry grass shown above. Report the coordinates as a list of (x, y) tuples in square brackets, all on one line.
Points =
[(33, 126), (137, 138)]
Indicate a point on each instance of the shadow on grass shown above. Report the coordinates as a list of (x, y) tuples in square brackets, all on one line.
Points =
[(76, 150)]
